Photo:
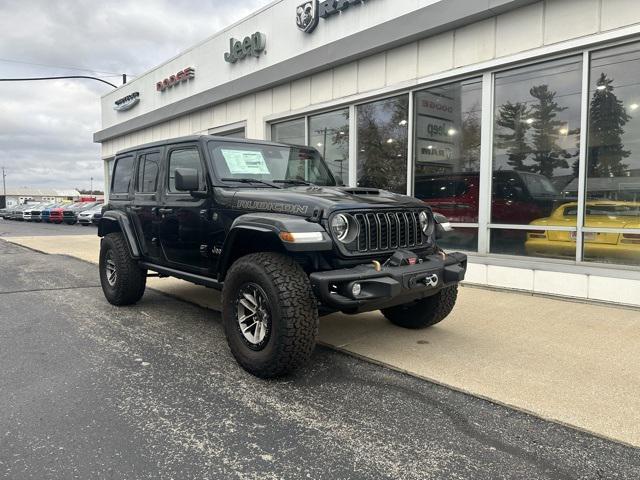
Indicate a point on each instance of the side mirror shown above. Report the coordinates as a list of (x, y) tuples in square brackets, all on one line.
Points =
[(339, 180), (442, 225), (187, 179)]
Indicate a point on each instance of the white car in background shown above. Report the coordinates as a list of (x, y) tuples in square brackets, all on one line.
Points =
[(90, 216)]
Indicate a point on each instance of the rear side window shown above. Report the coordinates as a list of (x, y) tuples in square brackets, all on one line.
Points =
[(187, 158), (122, 174), (148, 169), (441, 188)]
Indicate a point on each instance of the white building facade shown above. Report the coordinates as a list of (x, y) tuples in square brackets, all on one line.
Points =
[(519, 120)]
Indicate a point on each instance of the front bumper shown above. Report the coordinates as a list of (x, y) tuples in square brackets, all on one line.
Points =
[(388, 287)]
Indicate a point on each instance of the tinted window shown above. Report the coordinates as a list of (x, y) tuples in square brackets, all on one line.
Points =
[(447, 141), (291, 132), (382, 144), (329, 133), (187, 158), (536, 140), (122, 175), (148, 169)]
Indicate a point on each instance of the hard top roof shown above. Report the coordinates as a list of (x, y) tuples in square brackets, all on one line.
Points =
[(197, 138)]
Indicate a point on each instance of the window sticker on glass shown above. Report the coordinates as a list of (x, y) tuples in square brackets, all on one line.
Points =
[(245, 162)]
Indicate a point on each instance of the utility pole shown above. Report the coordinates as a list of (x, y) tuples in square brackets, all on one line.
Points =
[(91, 192), (4, 186)]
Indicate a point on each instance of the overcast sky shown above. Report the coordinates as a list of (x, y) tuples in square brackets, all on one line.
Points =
[(46, 128)]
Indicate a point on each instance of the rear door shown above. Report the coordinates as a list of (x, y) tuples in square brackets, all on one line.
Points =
[(144, 208), (182, 221)]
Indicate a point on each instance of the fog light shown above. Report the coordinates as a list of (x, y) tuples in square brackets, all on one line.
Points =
[(356, 289)]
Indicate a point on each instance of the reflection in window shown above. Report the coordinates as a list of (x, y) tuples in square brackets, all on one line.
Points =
[(291, 132), (536, 141), (447, 149), (329, 134), (534, 243), (613, 154), (122, 175), (148, 168), (612, 247), (460, 239), (382, 144)]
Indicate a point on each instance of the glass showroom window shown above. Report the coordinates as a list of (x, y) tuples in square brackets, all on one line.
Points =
[(329, 134), (613, 157), (291, 132), (536, 159), (447, 156), (382, 144)]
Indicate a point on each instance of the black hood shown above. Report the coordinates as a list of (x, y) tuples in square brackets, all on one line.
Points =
[(310, 201)]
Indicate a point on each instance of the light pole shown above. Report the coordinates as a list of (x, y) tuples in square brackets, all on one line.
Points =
[(4, 186), (91, 191)]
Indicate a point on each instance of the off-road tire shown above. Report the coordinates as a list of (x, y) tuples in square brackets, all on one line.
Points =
[(425, 312), (130, 280), (293, 310)]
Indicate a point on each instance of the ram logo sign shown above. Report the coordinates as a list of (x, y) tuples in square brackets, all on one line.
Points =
[(309, 13)]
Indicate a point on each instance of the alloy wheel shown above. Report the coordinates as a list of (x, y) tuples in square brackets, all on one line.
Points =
[(253, 315)]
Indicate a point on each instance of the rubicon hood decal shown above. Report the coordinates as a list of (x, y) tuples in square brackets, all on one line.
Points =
[(271, 207)]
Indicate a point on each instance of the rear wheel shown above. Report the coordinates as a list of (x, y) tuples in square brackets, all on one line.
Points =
[(270, 314), (425, 312), (123, 281)]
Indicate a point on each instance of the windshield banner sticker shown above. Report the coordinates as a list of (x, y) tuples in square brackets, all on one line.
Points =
[(245, 162)]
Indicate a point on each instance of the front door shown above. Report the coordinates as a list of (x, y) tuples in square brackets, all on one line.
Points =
[(183, 217), (144, 207)]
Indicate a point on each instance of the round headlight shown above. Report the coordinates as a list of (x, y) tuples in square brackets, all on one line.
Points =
[(426, 223), (340, 227)]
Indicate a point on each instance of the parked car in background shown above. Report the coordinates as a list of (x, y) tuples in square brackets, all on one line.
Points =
[(46, 211), (27, 212), (3, 212), (86, 217), (70, 214), (16, 213), (36, 212), (597, 245)]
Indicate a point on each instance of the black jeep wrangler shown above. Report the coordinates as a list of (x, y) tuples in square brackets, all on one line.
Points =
[(269, 225)]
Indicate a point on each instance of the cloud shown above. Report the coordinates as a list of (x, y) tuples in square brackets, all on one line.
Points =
[(46, 128)]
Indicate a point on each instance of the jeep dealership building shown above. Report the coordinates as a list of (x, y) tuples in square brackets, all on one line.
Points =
[(519, 120)]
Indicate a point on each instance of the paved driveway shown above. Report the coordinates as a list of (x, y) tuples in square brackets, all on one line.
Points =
[(88, 390)]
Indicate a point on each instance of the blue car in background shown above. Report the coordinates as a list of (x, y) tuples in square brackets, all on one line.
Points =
[(46, 212)]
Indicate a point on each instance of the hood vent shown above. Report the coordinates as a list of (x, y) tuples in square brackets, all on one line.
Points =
[(362, 191)]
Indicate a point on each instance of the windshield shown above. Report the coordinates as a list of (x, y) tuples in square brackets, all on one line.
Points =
[(538, 185), (269, 163)]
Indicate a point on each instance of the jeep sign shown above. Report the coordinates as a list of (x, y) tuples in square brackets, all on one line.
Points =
[(239, 49)]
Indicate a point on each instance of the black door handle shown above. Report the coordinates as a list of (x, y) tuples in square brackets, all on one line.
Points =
[(165, 210)]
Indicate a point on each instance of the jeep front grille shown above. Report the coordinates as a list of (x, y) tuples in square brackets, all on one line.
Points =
[(382, 231)]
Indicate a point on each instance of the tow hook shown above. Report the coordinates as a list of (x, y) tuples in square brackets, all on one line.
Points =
[(376, 265)]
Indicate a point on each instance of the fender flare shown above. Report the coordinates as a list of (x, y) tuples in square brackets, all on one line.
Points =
[(111, 217), (266, 228)]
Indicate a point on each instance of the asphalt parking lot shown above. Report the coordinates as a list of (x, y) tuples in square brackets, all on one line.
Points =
[(88, 390)]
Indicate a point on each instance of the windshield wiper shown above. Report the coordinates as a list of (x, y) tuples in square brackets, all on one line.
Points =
[(249, 180), (294, 181)]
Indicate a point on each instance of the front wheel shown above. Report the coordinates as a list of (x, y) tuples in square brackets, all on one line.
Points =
[(269, 313), (425, 312), (123, 281)]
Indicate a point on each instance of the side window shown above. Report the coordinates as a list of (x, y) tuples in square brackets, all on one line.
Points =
[(123, 171), (148, 169), (187, 158)]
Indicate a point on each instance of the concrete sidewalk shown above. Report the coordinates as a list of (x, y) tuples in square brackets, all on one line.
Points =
[(574, 363)]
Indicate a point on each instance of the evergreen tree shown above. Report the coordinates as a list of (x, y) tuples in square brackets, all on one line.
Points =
[(606, 121), (471, 138), (512, 119), (547, 154)]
